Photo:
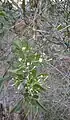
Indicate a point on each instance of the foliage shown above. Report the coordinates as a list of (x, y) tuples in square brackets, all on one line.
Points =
[(26, 75), (49, 30)]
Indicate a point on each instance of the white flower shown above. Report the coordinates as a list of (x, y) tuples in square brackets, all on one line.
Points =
[(28, 63), (34, 67), (39, 80), (40, 60), (43, 53), (12, 78), (27, 77), (23, 48), (41, 76), (19, 59)]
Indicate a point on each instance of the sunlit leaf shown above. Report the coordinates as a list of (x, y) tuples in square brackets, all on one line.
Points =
[(59, 27), (37, 56)]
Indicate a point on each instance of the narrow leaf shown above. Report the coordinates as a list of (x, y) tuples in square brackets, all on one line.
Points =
[(2, 79), (17, 107), (40, 105), (59, 27)]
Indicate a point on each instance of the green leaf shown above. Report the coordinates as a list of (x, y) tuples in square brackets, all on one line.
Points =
[(16, 70), (40, 105), (37, 56), (17, 107), (30, 81), (2, 79), (34, 72), (33, 101), (2, 13), (36, 102), (59, 27), (31, 57), (38, 87), (17, 44), (35, 96), (13, 71)]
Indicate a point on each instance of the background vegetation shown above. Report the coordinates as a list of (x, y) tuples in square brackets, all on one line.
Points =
[(35, 59)]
